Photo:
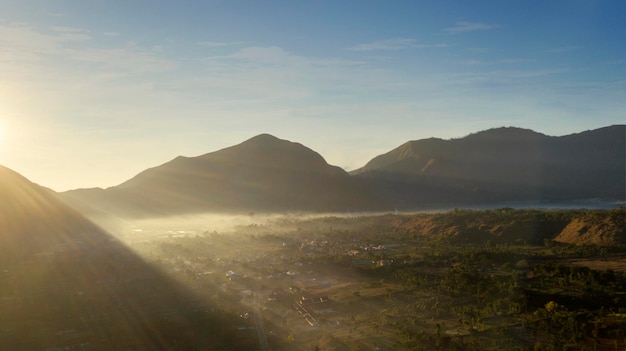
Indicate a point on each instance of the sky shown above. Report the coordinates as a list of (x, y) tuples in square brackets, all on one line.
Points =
[(93, 92)]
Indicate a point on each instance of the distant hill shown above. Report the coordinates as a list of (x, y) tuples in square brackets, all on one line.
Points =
[(502, 165), (263, 173), (66, 284), (509, 226), (596, 229)]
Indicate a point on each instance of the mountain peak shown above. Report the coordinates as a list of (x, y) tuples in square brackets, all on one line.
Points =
[(269, 150), (505, 134), (263, 138), (261, 173)]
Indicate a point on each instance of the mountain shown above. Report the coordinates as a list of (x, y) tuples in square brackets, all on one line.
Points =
[(267, 174), (502, 165), (33, 219), (66, 284), (263, 173)]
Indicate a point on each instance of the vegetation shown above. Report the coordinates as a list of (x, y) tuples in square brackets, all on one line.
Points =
[(459, 280), (462, 280)]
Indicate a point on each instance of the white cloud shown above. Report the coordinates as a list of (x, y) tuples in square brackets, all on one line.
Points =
[(513, 61), (19, 38), (615, 62), (130, 60), (272, 54), (63, 29), (29, 49), (563, 49), (387, 44), (71, 34), (216, 44), (462, 27), (394, 44), (509, 61)]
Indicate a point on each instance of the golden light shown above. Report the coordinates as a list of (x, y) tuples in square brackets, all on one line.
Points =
[(6, 129)]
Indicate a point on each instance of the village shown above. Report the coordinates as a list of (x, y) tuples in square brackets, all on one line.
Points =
[(357, 284), (302, 292), (333, 283)]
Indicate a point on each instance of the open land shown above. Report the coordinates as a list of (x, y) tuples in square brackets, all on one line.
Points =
[(460, 280)]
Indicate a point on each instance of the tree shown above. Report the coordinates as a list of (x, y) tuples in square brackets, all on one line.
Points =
[(552, 307)]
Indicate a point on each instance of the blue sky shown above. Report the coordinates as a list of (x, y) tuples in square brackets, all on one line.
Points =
[(93, 92)]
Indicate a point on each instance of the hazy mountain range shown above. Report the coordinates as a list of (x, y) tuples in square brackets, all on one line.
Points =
[(502, 165), (267, 174)]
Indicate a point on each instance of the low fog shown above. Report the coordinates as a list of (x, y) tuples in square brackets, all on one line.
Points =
[(457, 279)]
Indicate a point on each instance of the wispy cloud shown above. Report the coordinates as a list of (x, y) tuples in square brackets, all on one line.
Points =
[(71, 33), (27, 48), (478, 50), (506, 76), (277, 55), (217, 44), (615, 62), (472, 62), (64, 29), (394, 44), (387, 44), (508, 61), (124, 60), (563, 49), (512, 61), (463, 27)]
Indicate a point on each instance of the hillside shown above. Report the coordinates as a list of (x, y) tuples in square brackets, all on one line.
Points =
[(263, 174), (66, 284), (533, 227), (596, 229), (32, 219), (502, 165)]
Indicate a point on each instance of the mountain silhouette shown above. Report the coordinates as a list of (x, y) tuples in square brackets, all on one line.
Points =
[(263, 173), (66, 284), (502, 164), (267, 174), (33, 219)]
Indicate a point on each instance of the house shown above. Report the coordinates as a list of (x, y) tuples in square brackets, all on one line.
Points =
[(232, 275)]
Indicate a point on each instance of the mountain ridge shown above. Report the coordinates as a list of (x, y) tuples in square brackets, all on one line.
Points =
[(263, 173), (504, 164), (268, 174)]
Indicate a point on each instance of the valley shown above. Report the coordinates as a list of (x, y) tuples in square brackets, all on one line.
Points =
[(386, 282)]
